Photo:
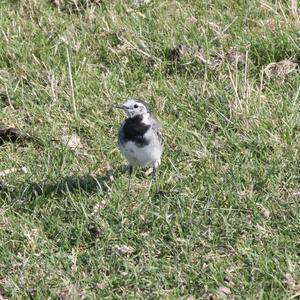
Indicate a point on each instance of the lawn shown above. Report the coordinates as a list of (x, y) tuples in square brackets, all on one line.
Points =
[(227, 223)]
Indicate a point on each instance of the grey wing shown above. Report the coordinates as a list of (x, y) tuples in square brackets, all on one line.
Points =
[(156, 129)]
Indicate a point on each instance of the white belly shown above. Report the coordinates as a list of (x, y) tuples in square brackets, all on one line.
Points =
[(141, 156)]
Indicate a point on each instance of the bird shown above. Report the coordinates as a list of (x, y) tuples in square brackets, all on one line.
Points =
[(139, 138)]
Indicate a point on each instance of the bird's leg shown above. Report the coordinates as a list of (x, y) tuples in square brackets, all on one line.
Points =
[(154, 175), (130, 170)]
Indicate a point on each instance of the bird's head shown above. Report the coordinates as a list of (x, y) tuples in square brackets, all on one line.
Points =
[(134, 108)]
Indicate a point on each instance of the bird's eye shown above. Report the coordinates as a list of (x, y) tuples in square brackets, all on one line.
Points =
[(135, 106)]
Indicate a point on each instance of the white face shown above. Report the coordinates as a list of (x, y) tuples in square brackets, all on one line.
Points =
[(134, 107)]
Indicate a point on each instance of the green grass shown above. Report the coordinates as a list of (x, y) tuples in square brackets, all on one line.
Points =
[(231, 152)]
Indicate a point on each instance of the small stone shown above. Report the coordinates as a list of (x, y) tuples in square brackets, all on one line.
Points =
[(123, 249), (266, 212), (72, 141)]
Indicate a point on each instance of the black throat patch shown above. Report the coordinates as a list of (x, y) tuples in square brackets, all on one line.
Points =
[(134, 130)]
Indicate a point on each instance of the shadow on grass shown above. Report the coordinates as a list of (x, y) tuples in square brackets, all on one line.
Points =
[(29, 191)]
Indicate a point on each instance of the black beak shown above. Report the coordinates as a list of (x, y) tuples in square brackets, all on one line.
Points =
[(120, 106)]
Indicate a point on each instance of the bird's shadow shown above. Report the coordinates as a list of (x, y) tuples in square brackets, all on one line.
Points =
[(28, 191)]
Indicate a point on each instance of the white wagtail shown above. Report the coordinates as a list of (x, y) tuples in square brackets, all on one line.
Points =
[(140, 137)]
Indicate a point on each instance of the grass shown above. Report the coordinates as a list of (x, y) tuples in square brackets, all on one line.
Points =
[(228, 216)]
